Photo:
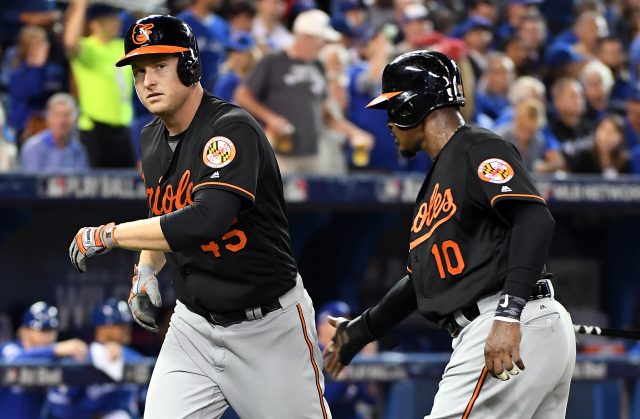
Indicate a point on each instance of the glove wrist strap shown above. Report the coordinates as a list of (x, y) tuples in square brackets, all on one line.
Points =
[(108, 236)]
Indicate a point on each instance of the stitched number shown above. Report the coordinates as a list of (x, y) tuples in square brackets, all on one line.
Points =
[(449, 248), (233, 240)]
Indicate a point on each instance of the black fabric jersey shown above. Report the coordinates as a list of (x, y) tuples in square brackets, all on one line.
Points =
[(459, 242), (224, 147)]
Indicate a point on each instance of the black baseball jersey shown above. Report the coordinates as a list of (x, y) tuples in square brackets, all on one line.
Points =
[(458, 250), (225, 148)]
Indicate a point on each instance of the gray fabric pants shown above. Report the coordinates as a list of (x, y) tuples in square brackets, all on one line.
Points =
[(541, 390), (269, 368)]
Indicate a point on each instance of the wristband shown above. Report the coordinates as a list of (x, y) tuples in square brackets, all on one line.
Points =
[(510, 308)]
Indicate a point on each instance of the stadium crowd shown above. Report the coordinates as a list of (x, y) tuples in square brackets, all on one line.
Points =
[(557, 78)]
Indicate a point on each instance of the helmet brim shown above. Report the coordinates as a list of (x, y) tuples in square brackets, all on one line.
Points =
[(149, 49), (382, 100)]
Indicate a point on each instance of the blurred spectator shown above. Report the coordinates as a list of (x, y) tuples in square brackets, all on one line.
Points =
[(524, 87), (240, 61), (104, 90), (415, 26), (476, 32), (515, 11), (36, 339), (491, 95), (563, 61), (57, 148), (112, 333), (541, 155), (597, 81), (634, 47), (240, 15), (533, 33), (608, 154), (632, 119), (589, 28), (269, 33), (610, 51), (32, 78), (514, 48), (212, 33), (485, 9), (287, 92), (16, 13), (8, 151), (348, 400), (567, 121)]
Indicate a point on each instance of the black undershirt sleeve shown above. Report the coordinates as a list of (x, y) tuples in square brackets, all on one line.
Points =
[(395, 306), (532, 228), (208, 218)]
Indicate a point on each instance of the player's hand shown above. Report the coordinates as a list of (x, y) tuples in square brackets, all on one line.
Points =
[(502, 350), (145, 299), (331, 353), (91, 241), (76, 348), (350, 337)]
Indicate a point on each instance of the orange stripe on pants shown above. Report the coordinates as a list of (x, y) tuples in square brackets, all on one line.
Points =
[(476, 393), (313, 361)]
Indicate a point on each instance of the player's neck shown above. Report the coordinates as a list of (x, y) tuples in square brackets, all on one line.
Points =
[(439, 128), (180, 120)]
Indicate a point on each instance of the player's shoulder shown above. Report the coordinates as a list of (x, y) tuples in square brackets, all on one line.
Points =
[(476, 138), (218, 114)]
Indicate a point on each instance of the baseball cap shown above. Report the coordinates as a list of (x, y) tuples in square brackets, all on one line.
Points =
[(346, 5), (470, 24), (335, 308), (111, 311), (414, 12), (240, 41), (315, 23), (96, 11), (41, 316), (560, 54)]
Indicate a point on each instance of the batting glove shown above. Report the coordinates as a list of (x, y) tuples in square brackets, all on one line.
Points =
[(91, 241), (145, 299)]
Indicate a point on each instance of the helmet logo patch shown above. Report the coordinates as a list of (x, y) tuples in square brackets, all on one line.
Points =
[(141, 32), (218, 152), (495, 171)]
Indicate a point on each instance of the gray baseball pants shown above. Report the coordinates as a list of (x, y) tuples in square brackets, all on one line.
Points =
[(270, 368)]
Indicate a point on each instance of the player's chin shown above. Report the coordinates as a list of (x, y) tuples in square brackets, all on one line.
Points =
[(408, 154)]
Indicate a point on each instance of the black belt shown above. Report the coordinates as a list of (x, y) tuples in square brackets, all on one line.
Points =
[(238, 316), (461, 318)]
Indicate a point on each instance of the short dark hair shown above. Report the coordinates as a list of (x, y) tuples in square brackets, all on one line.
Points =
[(241, 7)]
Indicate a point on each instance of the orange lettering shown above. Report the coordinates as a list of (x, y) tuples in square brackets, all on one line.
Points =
[(171, 200), (427, 214)]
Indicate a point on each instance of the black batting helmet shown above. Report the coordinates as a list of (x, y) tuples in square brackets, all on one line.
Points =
[(163, 34), (417, 83)]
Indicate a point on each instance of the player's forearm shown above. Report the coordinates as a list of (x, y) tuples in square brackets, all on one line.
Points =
[(141, 235), (153, 258), (395, 306)]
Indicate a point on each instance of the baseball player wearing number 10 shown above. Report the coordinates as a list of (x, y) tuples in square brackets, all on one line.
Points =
[(478, 240), (243, 331)]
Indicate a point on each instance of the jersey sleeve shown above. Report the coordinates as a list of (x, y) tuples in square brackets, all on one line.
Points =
[(500, 174), (230, 160)]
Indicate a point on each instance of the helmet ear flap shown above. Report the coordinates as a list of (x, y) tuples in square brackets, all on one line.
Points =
[(189, 71)]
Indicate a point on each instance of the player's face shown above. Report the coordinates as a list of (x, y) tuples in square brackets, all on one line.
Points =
[(408, 140), (157, 84), (37, 338)]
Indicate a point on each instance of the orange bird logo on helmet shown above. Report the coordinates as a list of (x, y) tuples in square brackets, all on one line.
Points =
[(141, 33)]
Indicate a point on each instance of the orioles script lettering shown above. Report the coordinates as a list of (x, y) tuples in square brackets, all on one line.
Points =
[(171, 199), (431, 215)]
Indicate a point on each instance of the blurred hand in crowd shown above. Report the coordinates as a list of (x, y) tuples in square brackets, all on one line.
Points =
[(75, 348)]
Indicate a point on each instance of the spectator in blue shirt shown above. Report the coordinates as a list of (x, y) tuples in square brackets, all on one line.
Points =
[(56, 148), (239, 63), (212, 33), (611, 52), (491, 97), (112, 322), (36, 340), (33, 78), (15, 13)]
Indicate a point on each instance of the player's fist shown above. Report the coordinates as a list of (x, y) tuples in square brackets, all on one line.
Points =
[(145, 299), (91, 241)]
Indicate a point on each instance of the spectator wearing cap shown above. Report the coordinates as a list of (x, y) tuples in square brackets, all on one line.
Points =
[(561, 61), (287, 91), (492, 90), (597, 81), (477, 36), (347, 399), (349, 19), (240, 61), (610, 52), (212, 33), (111, 320), (240, 15), (515, 10), (104, 91), (36, 339), (57, 148), (268, 31), (415, 26)]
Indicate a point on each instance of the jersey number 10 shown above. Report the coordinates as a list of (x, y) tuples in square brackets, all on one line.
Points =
[(449, 248)]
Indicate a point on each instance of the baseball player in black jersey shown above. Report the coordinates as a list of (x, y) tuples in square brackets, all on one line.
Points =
[(479, 237), (243, 331)]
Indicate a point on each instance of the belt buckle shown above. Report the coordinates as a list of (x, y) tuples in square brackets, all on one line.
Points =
[(254, 313)]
